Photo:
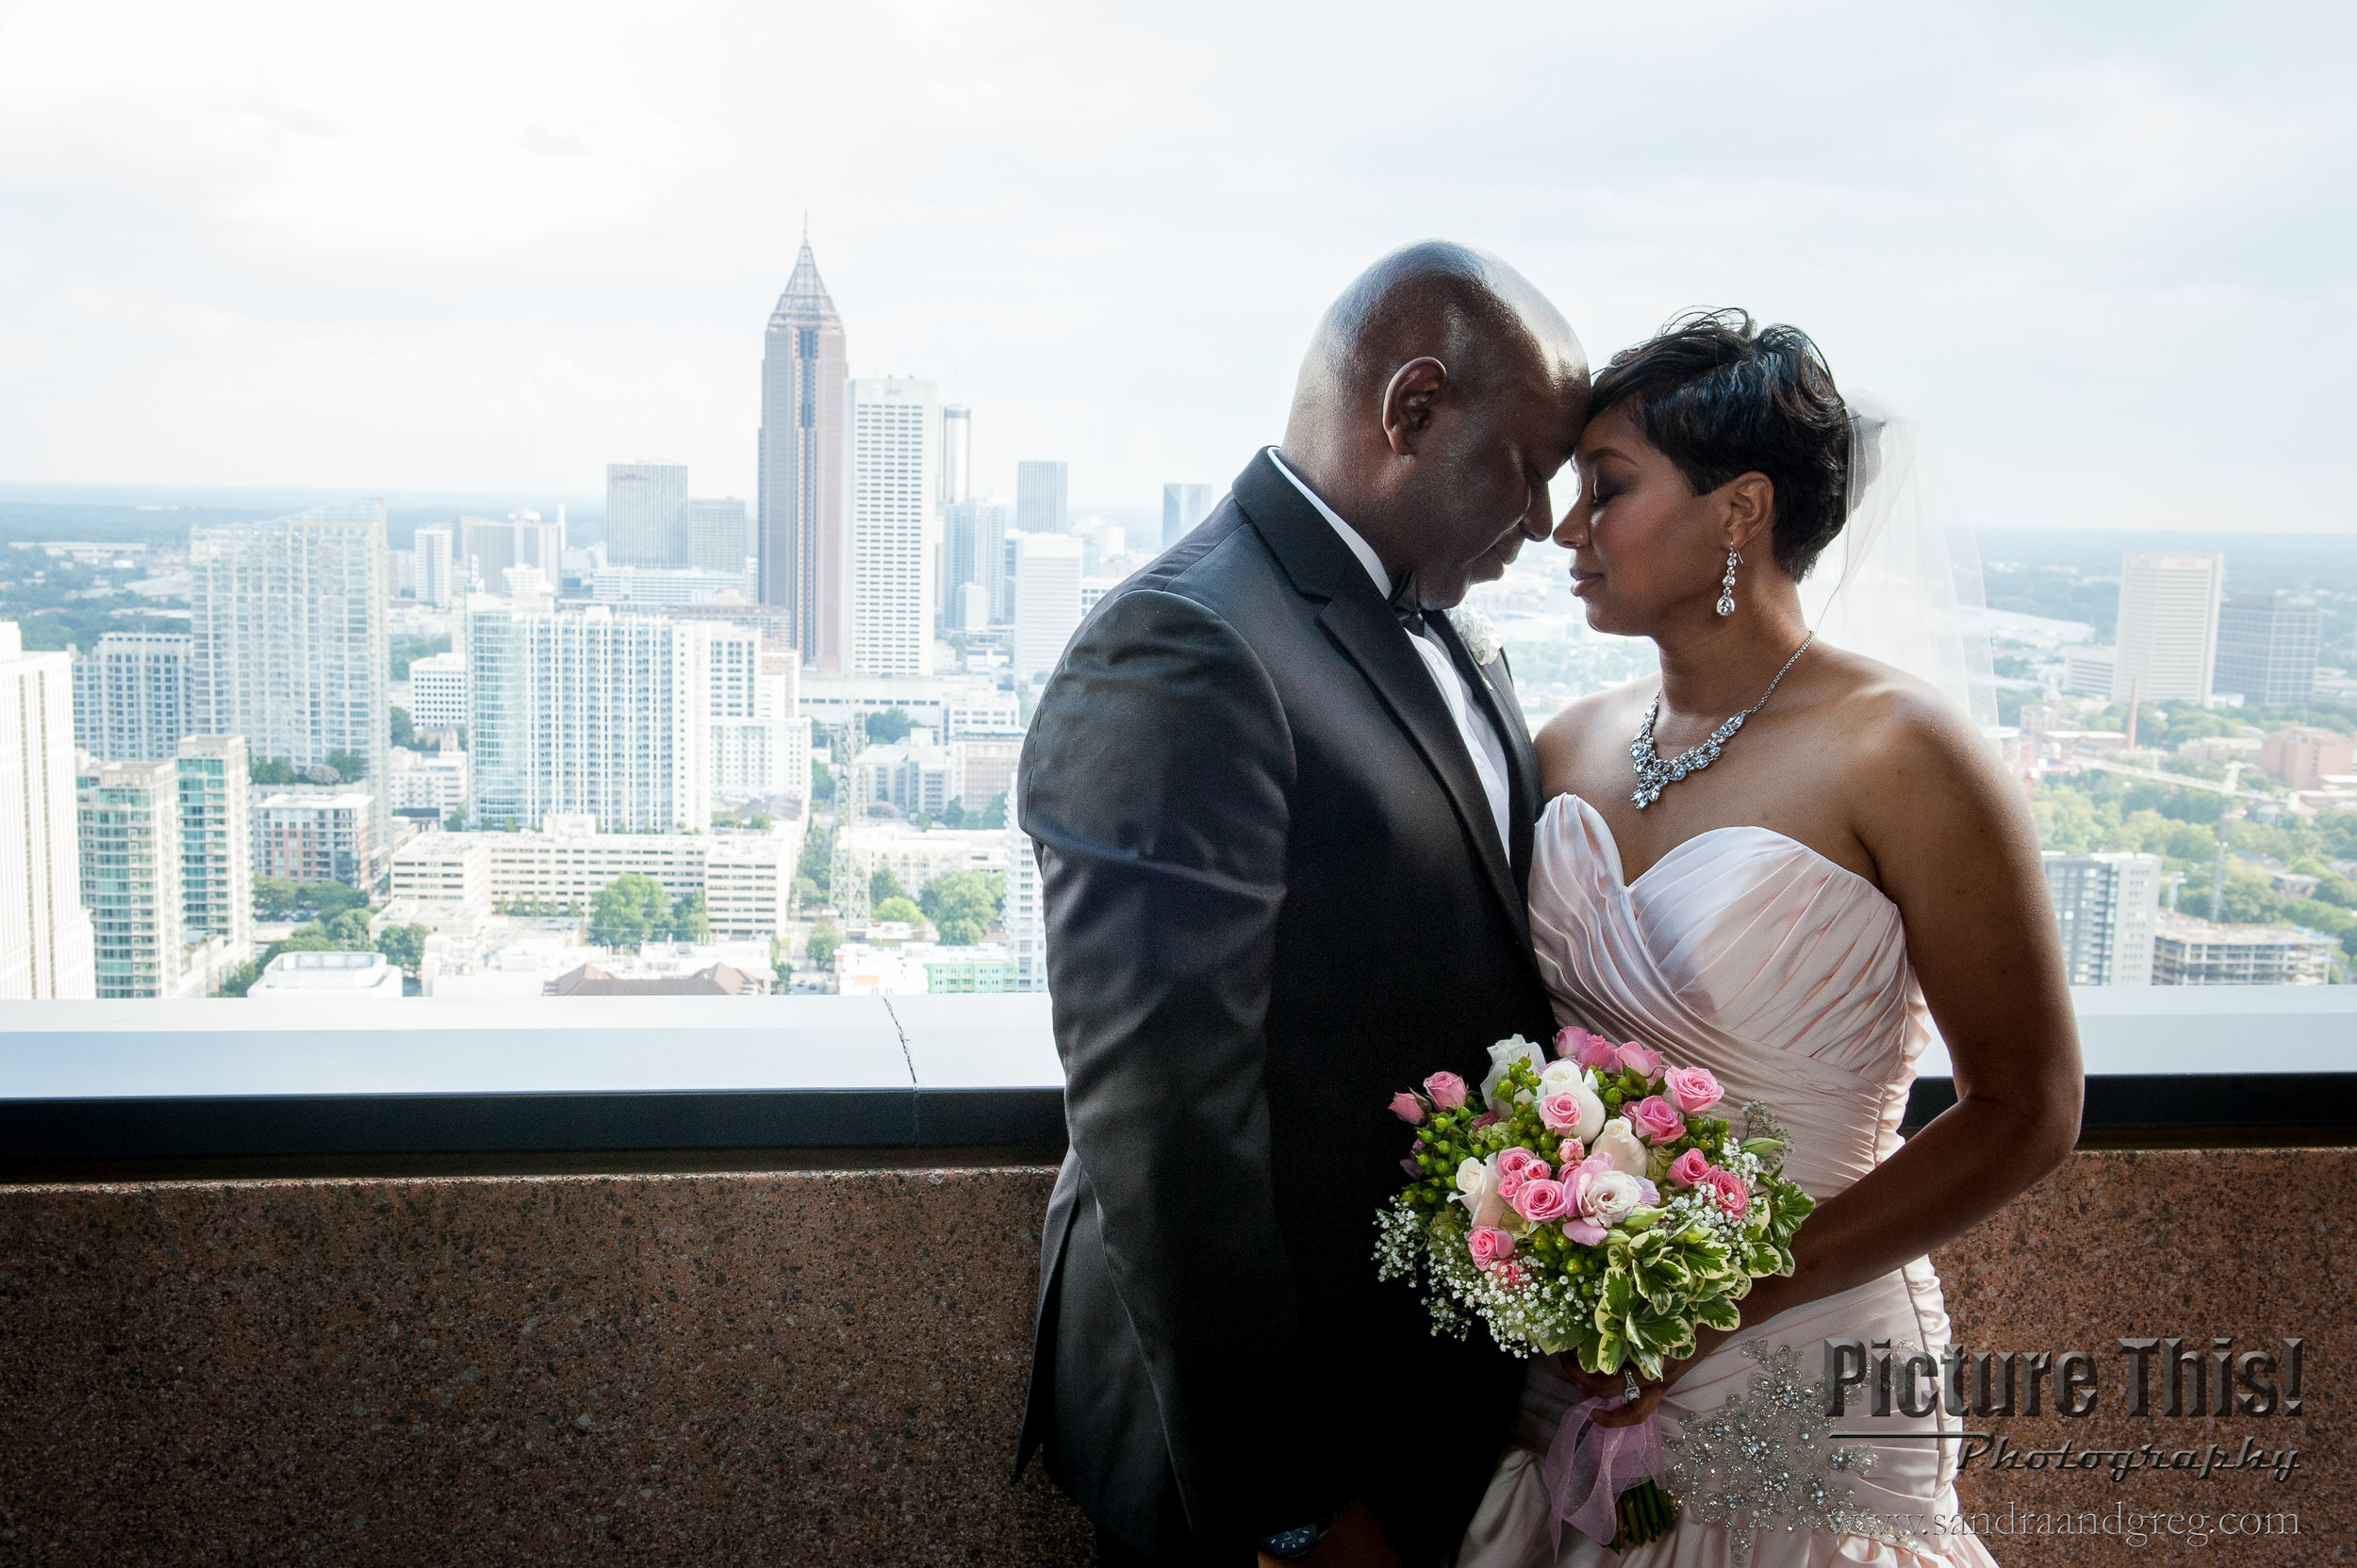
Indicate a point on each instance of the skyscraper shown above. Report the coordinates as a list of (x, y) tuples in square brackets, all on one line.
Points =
[(131, 694), (2267, 648), (216, 846), (582, 710), (976, 555), (1042, 505), (288, 622), (44, 931), (520, 540), (436, 552), (1047, 601), (894, 524), (2107, 906), (957, 454), (129, 821), (804, 366), (2167, 625), (716, 534), (646, 517), (1183, 506)]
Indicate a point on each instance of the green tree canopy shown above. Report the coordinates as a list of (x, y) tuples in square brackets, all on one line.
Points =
[(964, 904), (350, 767), (402, 946), (690, 920), (900, 907), (882, 884), (629, 911), (824, 940), (889, 726)]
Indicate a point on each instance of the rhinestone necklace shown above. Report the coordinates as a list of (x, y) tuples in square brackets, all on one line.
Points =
[(1653, 775)]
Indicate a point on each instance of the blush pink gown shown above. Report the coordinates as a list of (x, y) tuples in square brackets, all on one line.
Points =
[(1786, 975)]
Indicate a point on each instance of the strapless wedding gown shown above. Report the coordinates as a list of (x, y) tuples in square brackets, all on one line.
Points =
[(1750, 954)]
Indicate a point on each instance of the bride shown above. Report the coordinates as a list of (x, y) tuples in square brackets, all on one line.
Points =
[(1781, 861)]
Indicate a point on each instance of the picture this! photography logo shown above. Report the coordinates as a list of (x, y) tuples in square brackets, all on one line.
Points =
[(2157, 1376)]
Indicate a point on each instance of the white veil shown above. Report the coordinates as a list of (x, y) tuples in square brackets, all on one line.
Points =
[(1901, 581)]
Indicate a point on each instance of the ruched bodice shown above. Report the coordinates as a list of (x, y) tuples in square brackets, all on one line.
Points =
[(1786, 975)]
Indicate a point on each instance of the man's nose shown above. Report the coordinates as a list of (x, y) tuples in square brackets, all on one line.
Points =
[(1537, 521)]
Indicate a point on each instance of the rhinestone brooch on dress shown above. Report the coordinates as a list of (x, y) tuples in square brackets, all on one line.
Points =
[(1653, 775), (1763, 1458)]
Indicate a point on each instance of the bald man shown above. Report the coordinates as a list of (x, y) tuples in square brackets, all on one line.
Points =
[(1283, 818)]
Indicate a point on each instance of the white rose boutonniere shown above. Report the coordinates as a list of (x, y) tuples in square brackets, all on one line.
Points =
[(1481, 636)]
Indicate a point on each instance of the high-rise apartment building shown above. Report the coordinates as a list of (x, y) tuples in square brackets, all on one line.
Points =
[(1026, 910), (2107, 906), (129, 819), (1047, 601), (44, 931), (216, 846), (288, 622), (894, 524), (438, 691), (131, 694), (436, 554), (804, 366), (755, 725), (957, 454), (317, 836), (646, 516), (520, 540), (2169, 603), (1041, 501), (2267, 648), (1183, 506), (587, 710), (975, 556), (718, 533)]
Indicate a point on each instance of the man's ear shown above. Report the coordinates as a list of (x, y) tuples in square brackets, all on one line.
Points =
[(1750, 501), (1408, 403)]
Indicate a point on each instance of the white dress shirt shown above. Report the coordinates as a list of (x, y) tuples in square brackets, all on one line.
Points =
[(1482, 743)]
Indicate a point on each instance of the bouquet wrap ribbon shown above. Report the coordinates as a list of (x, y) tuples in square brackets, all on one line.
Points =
[(1589, 1466)]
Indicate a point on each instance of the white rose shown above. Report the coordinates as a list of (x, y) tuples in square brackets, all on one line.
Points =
[(1561, 1078), (1477, 1189), (1619, 1141), (1610, 1198), (1503, 1056), (1569, 1078)]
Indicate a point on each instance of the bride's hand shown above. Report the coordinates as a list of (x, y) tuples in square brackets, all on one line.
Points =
[(1614, 1385)]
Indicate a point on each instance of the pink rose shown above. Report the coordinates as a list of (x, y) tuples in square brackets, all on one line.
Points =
[(1487, 1118), (1655, 1120), (1573, 1044), (1407, 1108), (1729, 1190), (1693, 1090), (1600, 1054), (1637, 1059), (1586, 1232), (1573, 1152), (1688, 1168), (1510, 1183), (1559, 1112), (1518, 1161), (1447, 1089), (1489, 1245), (1540, 1201)]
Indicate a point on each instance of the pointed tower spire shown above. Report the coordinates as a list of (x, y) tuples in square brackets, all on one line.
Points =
[(805, 298)]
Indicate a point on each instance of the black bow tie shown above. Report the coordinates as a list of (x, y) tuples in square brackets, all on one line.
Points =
[(1402, 605)]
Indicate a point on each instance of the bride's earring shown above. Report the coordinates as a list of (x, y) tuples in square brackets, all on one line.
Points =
[(1726, 586)]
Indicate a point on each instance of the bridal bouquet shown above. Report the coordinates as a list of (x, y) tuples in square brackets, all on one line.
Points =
[(1589, 1206)]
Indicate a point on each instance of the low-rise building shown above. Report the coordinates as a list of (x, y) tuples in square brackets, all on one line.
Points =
[(2190, 951), (714, 980), (315, 837), (426, 781), (2303, 757), (356, 977), (912, 857), (438, 692)]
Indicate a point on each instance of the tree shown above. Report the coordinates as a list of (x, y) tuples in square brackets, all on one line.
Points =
[(403, 946), (964, 904), (805, 892), (995, 815), (889, 726), (274, 897), (405, 731), (690, 920), (900, 907), (350, 767), (821, 781), (818, 861), (882, 884), (457, 820), (824, 940), (349, 931), (628, 911), (270, 771)]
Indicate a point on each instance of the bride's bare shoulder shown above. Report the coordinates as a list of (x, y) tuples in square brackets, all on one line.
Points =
[(1896, 729), (1614, 710)]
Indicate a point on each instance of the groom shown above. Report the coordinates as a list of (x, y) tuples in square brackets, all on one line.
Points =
[(1283, 818)]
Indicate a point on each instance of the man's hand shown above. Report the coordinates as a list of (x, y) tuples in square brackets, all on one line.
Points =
[(1355, 1541)]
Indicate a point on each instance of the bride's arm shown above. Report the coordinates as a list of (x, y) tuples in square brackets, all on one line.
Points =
[(1953, 849)]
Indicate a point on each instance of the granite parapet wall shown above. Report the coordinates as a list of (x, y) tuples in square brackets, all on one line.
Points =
[(826, 1366)]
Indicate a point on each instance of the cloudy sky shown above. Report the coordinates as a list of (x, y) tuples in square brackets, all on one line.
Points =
[(2103, 250)]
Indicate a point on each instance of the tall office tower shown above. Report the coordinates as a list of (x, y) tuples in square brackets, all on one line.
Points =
[(289, 619), (1026, 910), (646, 516), (2167, 625), (131, 694), (1042, 503), (976, 537), (2267, 648), (519, 539), (216, 846), (894, 524), (2108, 907), (803, 368), (129, 819), (754, 692), (435, 550), (1047, 601), (957, 454), (582, 710), (44, 931), (401, 573), (1183, 506), (716, 534)]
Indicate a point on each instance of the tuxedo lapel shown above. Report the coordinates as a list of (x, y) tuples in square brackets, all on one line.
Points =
[(1363, 627), (1494, 684)]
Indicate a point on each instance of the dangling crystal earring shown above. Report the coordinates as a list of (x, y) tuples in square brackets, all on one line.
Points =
[(1726, 586)]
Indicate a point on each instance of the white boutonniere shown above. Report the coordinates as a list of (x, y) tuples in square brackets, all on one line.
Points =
[(1479, 633)]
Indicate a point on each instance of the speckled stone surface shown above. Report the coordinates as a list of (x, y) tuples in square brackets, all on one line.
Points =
[(827, 1367)]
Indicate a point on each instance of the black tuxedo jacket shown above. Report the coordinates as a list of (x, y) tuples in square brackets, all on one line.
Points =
[(1274, 896)]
